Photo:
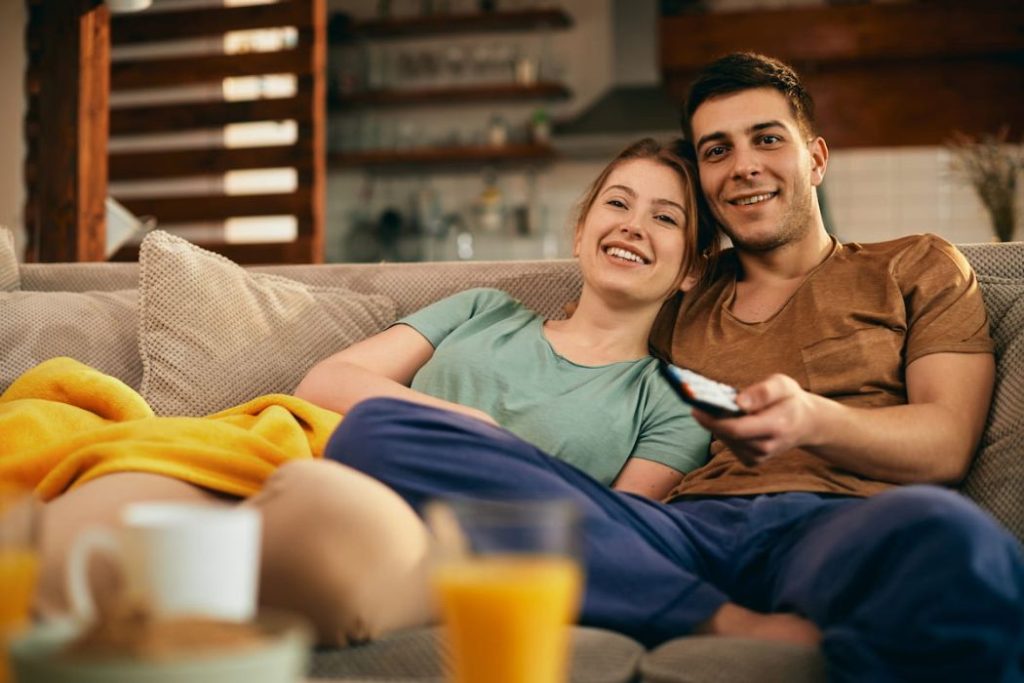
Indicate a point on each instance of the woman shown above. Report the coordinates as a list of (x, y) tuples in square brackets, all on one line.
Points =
[(585, 389), (347, 551)]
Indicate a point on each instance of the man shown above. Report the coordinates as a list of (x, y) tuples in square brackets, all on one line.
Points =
[(817, 519)]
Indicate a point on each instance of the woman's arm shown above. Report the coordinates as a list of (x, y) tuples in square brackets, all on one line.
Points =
[(647, 478), (380, 366)]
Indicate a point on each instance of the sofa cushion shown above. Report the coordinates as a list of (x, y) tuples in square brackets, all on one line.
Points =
[(712, 659), (995, 476), (212, 335), (9, 277), (598, 656), (96, 328)]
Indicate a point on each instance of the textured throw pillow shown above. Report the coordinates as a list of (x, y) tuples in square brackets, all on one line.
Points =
[(213, 335), (997, 473), (96, 328), (9, 278)]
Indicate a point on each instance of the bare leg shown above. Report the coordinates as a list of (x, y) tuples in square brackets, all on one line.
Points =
[(98, 503), (344, 550), (736, 621)]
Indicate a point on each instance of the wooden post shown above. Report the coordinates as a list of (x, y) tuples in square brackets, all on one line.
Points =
[(68, 87)]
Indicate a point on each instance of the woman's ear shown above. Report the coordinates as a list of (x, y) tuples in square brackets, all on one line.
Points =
[(688, 283)]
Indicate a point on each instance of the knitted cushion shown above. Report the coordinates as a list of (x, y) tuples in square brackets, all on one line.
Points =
[(598, 656), (213, 335), (996, 480), (96, 328), (712, 659), (8, 261)]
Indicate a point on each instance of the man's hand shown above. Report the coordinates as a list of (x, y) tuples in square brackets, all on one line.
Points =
[(780, 416), (929, 439)]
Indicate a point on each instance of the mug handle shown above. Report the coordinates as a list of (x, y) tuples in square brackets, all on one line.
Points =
[(83, 606)]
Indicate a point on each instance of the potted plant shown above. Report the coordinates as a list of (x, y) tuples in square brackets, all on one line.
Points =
[(991, 165)]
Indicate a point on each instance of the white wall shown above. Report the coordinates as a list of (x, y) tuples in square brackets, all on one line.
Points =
[(12, 116)]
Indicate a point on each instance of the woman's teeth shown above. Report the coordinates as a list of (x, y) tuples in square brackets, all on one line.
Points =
[(624, 254)]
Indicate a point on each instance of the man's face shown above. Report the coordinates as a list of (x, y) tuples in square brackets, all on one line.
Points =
[(757, 169)]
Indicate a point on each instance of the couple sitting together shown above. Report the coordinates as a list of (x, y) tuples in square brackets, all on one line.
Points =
[(820, 516)]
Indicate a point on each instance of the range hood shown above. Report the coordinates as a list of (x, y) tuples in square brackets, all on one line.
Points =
[(636, 105)]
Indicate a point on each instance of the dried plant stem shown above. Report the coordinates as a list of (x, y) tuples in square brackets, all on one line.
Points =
[(991, 166)]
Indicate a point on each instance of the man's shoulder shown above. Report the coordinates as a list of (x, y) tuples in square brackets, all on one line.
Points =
[(906, 245), (908, 256)]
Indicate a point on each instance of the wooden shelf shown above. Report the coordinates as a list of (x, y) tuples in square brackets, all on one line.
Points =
[(440, 156), (458, 94), (449, 24)]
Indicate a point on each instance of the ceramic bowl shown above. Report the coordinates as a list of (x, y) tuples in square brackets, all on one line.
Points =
[(283, 658)]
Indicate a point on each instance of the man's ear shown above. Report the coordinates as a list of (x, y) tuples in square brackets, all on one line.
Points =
[(819, 159)]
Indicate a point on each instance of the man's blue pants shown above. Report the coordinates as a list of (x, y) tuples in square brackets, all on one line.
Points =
[(916, 583)]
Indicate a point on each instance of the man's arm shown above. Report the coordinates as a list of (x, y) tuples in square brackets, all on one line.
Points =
[(931, 439)]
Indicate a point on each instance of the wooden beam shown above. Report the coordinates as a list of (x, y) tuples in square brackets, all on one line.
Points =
[(153, 27), (143, 74), (66, 165), (218, 207), (860, 32), (182, 163), (899, 74), (917, 103), (313, 176), (197, 115)]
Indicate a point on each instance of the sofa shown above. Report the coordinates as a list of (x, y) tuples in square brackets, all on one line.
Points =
[(195, 333)]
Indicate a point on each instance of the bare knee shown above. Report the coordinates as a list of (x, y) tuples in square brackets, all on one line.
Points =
[(343, 549)]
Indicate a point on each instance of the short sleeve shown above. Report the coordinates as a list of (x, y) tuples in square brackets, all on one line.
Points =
[(669, 435), (945, 309), (439, 319)]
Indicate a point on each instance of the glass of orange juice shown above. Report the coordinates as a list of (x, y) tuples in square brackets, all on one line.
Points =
[(509, 581), (19, 565)]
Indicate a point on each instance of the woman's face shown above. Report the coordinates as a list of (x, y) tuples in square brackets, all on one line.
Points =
[(631, 242)]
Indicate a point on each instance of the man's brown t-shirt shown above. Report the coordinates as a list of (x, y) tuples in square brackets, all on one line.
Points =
[(847, 333)]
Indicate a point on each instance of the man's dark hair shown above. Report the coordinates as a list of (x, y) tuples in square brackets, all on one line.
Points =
[(745, 71)]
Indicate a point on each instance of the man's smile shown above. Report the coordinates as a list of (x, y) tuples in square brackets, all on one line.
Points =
[(748, 200)]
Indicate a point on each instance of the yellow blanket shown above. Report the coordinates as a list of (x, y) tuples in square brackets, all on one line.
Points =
[(63, 423)]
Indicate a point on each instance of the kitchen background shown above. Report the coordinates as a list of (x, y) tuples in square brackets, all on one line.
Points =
[(523, 209), (596, 85)]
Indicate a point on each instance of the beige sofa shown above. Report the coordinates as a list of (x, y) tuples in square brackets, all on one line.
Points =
[(196, 333)]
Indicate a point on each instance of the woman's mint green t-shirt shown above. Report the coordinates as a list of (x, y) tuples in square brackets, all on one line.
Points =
[(490, 353)]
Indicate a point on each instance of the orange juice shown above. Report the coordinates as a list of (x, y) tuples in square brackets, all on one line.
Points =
[(18, 569), (507, 617)]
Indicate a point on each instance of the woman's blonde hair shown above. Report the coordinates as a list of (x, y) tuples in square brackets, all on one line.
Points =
[(700, 233)]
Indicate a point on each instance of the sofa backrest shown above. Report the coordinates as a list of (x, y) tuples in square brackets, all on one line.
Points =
[(997, 476), (996, 479)]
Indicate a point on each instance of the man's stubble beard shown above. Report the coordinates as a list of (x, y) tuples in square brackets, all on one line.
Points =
[(795, 224)]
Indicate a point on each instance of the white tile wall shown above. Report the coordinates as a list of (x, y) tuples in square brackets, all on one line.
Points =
[(878, 194)]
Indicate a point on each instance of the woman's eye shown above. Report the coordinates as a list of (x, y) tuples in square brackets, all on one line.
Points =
[(617, 203), (665, 218)]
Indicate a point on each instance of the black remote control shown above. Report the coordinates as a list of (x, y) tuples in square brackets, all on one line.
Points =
[(710, 396)]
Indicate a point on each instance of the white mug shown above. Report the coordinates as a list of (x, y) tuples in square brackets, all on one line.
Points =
[(178, 558)]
